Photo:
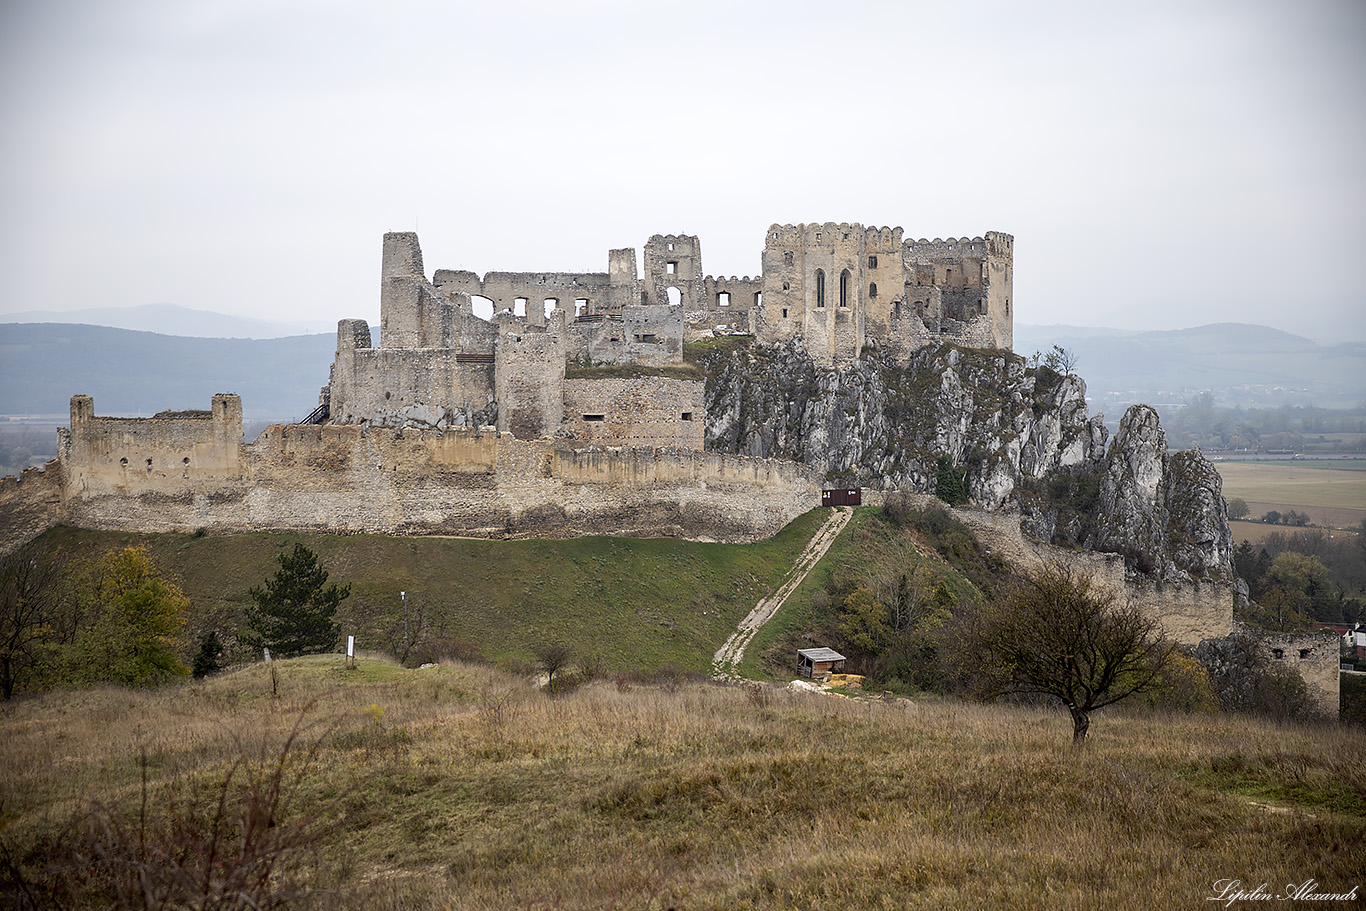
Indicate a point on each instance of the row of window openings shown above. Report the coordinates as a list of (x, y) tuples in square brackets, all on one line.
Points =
[(1280, 653), (124, 462), (593, 418)]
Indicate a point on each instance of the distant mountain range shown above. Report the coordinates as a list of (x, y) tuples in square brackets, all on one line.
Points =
[(42, 364), (170, 319), (1239, 363)]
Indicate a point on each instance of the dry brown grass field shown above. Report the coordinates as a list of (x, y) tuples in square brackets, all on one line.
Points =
[(463, 787), (1333, 497)]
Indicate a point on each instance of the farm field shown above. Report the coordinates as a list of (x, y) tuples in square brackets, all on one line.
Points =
[(1333, 496)]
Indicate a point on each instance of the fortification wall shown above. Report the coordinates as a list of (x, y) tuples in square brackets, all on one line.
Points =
[(652, 336), (644, 411), (1187, 613), (1315, 656), (333, 478), (30, 504), (527, 294)]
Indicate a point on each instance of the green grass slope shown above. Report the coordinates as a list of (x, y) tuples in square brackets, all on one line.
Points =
[(628, 603)]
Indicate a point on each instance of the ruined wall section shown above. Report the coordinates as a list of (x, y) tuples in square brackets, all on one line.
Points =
[(652, 336), (958, 289), (650, 411), (435, 387), (529, 376), (333, 478), (530, 294), (30, 504), (1314, 656), (673, 261), (729, 305)]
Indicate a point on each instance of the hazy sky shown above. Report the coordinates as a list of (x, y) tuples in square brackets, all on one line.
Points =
[(1161, 164)]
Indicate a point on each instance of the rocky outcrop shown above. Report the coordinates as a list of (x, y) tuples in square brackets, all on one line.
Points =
[(1166, 513), (883, 422), (1022, 434)]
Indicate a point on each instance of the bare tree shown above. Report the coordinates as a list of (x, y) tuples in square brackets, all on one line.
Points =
[(29, 581), (553, 657), (1055, 634)]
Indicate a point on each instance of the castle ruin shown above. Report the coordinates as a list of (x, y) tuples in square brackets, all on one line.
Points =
[(837, 287)]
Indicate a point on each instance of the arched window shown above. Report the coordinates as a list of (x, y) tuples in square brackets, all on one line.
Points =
[(872, 289), (820, 288), (844, 288)]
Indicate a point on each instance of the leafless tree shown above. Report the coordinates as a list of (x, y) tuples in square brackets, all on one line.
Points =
[(30, 579)]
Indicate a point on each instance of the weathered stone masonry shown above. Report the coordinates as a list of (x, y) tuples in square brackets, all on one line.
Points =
[(181, 472)]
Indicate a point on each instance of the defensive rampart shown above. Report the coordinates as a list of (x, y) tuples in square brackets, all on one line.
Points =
[(191, 470)]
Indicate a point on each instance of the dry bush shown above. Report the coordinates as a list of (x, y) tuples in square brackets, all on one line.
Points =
[(237, 840)]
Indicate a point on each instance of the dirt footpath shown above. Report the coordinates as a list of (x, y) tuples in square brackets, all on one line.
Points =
[(727, 657)]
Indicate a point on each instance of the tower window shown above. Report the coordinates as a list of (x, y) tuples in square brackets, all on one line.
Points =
[(872, 262), (872, 289), (844, 288), (671, 268), (820, 286)]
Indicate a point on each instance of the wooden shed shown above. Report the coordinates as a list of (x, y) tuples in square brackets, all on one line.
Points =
[(845, 496), (819, 662)]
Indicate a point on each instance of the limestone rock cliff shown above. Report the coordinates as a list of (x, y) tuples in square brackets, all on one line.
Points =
[(1166, 513), (1022, 434), (883, 423)]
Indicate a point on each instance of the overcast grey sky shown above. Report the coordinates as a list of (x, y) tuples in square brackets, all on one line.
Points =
[(1161, 164)]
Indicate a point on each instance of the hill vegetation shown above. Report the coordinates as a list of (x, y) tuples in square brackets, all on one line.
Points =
[(465, 787)]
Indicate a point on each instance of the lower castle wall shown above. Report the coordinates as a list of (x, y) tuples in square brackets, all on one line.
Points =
[(344, 479), (30, 504)]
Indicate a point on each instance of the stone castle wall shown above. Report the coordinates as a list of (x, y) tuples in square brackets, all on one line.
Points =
[(348, 478), (30, 504), (654, 411)]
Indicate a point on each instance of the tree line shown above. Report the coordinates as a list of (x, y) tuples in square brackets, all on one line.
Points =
[(72, 622), (1048, 634)]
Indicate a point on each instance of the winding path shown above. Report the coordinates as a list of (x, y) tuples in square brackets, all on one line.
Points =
[(726, 661)]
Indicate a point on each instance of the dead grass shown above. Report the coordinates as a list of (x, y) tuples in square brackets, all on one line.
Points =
[(463, 787)]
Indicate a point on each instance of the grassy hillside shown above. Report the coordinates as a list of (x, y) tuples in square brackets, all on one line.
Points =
[(628, 603), (462, 787)]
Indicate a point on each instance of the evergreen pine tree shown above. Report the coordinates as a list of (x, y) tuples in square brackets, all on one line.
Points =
[(951, 484), (293, 611)]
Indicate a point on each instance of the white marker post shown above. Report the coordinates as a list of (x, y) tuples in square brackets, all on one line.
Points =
[(350, 651)]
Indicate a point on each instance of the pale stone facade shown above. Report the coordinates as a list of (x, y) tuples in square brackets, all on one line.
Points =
[(189, 470)]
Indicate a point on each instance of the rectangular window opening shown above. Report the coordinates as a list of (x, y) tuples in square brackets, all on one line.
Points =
[(594, 417), (687, 416), (671, 268)]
